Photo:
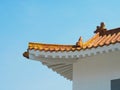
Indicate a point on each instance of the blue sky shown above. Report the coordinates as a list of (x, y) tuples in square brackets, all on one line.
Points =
[(46, 21)]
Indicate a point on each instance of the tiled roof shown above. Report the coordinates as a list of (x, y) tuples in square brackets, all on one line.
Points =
[(102, 37), (55, 56)]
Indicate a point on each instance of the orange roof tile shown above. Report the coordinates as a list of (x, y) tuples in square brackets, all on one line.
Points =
[(102, 37), (50, 47)]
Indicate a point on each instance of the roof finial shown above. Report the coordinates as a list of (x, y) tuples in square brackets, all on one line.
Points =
[(80, 42), (102, 25), (26, 54), (101, 29)]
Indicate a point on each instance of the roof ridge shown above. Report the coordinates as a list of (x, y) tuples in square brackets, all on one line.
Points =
[(103, 31)]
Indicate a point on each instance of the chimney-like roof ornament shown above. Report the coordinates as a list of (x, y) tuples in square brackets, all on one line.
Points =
[(80, 42), (101, 29)]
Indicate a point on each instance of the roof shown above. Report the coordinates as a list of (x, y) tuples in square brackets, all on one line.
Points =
[(60, 58), (102, 37)]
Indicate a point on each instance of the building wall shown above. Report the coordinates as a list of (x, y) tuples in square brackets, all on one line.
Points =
[(96, 72)]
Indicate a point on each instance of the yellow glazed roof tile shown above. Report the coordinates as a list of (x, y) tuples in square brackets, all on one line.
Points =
[(102, 37)]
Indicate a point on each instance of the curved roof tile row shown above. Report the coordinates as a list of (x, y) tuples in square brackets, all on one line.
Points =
[(102, 37)]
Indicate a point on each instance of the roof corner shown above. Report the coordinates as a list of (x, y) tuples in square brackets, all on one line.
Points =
[(26, 54)]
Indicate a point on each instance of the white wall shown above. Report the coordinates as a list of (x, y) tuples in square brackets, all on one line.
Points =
[(96, 72)]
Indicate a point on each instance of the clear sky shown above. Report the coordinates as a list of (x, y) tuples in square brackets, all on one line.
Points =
[(46, 21)]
